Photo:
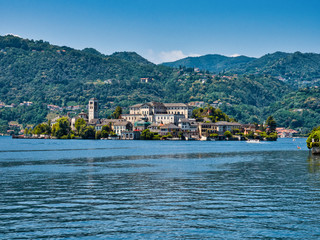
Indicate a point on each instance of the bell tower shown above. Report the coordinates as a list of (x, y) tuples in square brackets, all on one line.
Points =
[(93, 109)]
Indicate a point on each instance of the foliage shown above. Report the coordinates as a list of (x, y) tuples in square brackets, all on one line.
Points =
[(87, 132), (104, 134), (42, 128), (298, 69), (169, 135), (117, 112), (61, 129), (227, 134), (98, 135), (213, 62), (80, 122), (148, 135), (315, 136), (214, 114), (214, 135), (249, 88), (272, 125)]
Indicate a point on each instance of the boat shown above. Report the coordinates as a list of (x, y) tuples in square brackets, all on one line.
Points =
[(190, 139), (253, 141)]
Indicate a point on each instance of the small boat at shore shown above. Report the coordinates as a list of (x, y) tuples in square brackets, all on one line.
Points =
[(253, 141)]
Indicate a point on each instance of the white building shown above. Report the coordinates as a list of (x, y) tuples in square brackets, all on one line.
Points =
[(158, 112)]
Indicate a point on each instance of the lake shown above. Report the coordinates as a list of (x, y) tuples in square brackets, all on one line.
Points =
[(86, 189)]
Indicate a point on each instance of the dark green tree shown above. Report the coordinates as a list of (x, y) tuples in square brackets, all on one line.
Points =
[(272, 125), (61, 128), (117, 112), (80, 122)]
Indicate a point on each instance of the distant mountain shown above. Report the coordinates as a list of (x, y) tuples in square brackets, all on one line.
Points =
[(298, 69), (131, 57), (43, 73), (214, 63)]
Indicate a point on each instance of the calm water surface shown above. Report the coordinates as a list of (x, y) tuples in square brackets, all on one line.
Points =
[(79, 189)]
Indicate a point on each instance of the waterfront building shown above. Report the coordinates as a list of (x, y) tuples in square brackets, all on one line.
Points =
[(205, 129), (130, 135), (169, 128), (122, 126), (158, 112), (189, 127)]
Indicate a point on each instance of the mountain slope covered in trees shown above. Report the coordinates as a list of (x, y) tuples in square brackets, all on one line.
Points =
[(45, 74), (298, 69), (214, 63)]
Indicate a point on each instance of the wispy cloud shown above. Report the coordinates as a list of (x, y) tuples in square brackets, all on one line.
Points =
[(15, 35), (235, 55), (167, 56)]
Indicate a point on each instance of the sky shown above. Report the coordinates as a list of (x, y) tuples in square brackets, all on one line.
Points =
[(168, 30)]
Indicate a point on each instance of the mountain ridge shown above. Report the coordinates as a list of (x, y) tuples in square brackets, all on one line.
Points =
[(299, 69), (45, 74)]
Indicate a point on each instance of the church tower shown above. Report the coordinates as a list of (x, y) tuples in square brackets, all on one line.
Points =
[(93, 109)]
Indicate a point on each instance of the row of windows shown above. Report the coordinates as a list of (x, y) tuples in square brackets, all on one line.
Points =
[(162, 118)]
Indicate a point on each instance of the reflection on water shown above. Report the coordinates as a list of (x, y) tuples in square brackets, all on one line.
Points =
[(314, 163), (182, 194)]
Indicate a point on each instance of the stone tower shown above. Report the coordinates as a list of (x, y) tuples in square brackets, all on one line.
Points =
[(93, 109)]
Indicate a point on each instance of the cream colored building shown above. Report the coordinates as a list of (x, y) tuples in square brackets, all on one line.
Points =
[(158, 112)]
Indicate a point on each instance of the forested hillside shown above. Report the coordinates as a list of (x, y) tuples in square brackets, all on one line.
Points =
[(46, 74), (214, 63), (298, 69)]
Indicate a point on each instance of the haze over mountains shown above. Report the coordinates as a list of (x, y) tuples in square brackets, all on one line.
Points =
[(248, 89)]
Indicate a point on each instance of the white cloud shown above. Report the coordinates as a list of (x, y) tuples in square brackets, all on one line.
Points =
[(235, 55), (171, 56), (11, 34), (168, 56)]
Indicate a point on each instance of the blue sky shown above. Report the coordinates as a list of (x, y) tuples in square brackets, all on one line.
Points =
[(167, 30)]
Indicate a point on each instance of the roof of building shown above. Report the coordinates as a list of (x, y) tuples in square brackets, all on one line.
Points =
[(136, 105), (170, 125), (176, 105), (154, 125), (141, 123), (94, 121), (224, 123), (157, 104), (210, 123), (122, 123)]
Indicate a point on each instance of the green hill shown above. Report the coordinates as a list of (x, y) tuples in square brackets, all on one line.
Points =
[(212, 62), (297, 69), (45, 74)]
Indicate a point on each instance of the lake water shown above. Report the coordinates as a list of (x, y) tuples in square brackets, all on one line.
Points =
[(85, 189)]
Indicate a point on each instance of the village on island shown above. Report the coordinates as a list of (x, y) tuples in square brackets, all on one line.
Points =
[(152, 121)]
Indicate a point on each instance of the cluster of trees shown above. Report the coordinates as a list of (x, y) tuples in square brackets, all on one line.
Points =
[(148, 135), (314, 138), (296, 68), (209, 112), (62, 130), (47, 74)]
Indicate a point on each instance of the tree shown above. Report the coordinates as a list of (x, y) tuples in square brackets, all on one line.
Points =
[(61, 128), (314, 138), (98, 135), (42, 128), (146, 135), (117, 112), (87, 132), (227, 134), (79, 123), (272, 125), (104, 134)]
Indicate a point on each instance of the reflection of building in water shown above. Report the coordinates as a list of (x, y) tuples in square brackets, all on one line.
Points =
[(314, 163)]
